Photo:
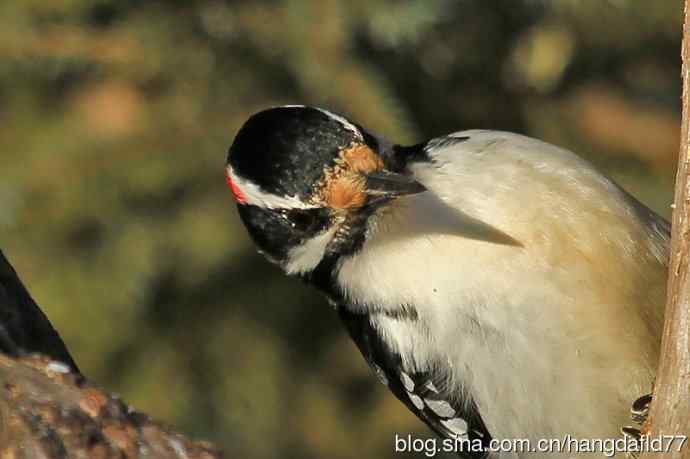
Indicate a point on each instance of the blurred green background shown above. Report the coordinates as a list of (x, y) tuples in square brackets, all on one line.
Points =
[(115, 116)]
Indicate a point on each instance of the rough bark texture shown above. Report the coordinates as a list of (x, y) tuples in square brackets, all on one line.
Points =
[(670, 410), (47, 411), (47, 408)]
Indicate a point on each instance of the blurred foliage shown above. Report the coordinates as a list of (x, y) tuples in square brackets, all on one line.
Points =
[(115, 118)]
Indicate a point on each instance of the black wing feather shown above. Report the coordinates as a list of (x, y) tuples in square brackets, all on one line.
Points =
[(23, 326), (419, 391)]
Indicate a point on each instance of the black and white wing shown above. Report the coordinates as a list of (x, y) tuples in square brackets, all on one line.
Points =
[(421, 392)]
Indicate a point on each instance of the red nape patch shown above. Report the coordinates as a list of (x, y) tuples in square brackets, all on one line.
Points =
[(236, 192)]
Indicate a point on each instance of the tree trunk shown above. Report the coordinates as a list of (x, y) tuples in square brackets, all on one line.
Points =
[(670, 410)]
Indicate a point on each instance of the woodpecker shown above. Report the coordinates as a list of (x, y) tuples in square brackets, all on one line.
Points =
[(500, 286)]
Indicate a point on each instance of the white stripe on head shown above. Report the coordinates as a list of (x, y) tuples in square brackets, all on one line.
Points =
[(253, 195), (307, 256), (345, 123), (342, 121)]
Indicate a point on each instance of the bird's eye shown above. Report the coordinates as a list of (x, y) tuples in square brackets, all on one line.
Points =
[(304, 220), (301, 219)]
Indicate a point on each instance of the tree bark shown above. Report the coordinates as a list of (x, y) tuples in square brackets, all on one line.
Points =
[(47, 411), (670, 409), (47, 408)]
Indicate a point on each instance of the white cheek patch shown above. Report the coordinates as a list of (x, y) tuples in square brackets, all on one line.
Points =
[(246, 192), (307, 256)]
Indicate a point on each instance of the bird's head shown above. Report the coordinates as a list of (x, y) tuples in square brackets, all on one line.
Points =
[(307, 181)]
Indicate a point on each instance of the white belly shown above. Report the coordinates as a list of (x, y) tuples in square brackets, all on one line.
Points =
[(555, 336)]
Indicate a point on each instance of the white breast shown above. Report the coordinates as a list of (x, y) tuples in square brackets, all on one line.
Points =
[(556, 335)]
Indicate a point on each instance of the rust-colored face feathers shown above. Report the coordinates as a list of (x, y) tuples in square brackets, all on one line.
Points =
[(343, 186), (361, 159), (307, 181)]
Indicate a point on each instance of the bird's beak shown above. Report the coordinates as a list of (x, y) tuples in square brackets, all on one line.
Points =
[(382, 186)]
